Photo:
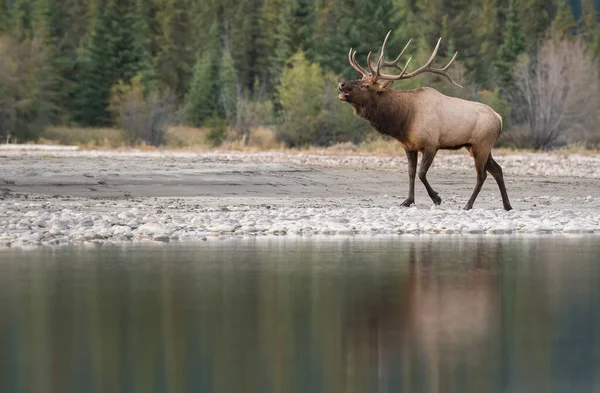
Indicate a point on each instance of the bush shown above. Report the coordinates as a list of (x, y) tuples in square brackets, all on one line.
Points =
[(250, 115), (311, 111), (558, 92), (141, 118), (217, 130), (25, 88)]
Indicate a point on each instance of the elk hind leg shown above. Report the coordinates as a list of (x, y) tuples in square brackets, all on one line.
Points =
[(480, 165), (496, 171), (426, 160)]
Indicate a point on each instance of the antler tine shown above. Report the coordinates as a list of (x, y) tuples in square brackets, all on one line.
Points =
[(396, 77), (426, 65), (371, 68), (354, 64), (395, 62), (380, 60), (427, 68)]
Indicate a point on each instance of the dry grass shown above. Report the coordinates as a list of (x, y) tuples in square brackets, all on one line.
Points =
[(262, 139), (90, 138)]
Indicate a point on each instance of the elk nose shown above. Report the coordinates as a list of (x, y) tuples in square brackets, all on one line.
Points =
[(341, 85)]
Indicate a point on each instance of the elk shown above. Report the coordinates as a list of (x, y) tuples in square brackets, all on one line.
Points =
[(425, 120)]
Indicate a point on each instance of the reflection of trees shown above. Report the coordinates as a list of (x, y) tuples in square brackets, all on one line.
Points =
[(455, 315)]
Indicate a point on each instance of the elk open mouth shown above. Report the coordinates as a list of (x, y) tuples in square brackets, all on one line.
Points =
[(343, 96)]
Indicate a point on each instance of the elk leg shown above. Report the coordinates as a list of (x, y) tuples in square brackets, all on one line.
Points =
[(496, 171), (426, 161), (480, 164), (412, 171)]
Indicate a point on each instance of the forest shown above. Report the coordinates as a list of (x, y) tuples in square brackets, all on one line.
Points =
[(232, 67)]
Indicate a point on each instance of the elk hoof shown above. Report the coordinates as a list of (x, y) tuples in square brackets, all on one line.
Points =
[(468, 207), (507, 208), (436, 199), (407, 202)]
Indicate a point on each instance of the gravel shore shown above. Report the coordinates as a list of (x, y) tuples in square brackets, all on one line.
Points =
[(55, 197)]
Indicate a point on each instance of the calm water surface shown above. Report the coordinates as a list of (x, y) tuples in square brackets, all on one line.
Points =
[(501, 314)]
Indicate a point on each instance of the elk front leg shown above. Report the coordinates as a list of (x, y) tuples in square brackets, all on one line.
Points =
[(426, 160), (412, 171)]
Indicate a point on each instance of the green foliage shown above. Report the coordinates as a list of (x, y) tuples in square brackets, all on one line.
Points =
[(202, 99), (115, 53), (564, 22), (217, 130), (300, 93), (227, 58), (25, 95), (495, 101), (228, 86), (512, 46), (590, 27), (175, 58), (311, 112), (143, 117), (536, 16)]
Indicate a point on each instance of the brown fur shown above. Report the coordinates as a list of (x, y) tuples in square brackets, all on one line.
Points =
[(425, 120)]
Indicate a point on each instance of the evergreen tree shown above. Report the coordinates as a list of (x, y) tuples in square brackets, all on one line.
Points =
[(564, 22), (228, 87), (538, 14), (4, 21), (590, 27), (332, 40), (175, 58), (22, 18), (295, 30), (512, 47), (114, 55), (266, 43), (489, 38), (202, 100)]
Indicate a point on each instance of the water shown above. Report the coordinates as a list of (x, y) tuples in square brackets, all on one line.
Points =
[(500, 314)]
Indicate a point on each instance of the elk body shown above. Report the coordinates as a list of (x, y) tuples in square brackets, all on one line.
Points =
[(425, 120)]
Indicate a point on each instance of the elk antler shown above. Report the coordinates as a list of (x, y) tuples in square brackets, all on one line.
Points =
[(375, 71)]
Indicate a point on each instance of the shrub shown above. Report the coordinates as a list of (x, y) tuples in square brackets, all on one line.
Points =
[(25, 88), (558, 91), (143, 119), (217, 130)]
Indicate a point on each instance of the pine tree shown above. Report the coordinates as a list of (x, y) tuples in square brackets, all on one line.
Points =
[(295, 30), (266, 43), (488, 36), (228, 87), (538, 14), (332, 40), (202, 100), (511, 48), (4, 21), (589, 26), (114, 55), (564, 22), (175, 58), (22, 18)]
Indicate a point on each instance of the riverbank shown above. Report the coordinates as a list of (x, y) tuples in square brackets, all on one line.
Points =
[(52, 197)]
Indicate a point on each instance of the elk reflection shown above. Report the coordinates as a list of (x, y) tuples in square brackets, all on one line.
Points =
[(436, 316)]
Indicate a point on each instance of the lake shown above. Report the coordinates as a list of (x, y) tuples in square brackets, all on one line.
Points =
[(363, 314)]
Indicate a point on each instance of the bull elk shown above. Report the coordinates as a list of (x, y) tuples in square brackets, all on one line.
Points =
[(425, 120)]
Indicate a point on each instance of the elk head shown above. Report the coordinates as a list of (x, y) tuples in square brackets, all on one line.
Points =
[(374, 82)]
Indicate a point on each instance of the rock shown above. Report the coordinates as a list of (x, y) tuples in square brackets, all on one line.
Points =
[(152, 228), (161, 238)]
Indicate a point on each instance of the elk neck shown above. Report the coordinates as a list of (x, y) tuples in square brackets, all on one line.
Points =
[(390, 113)]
